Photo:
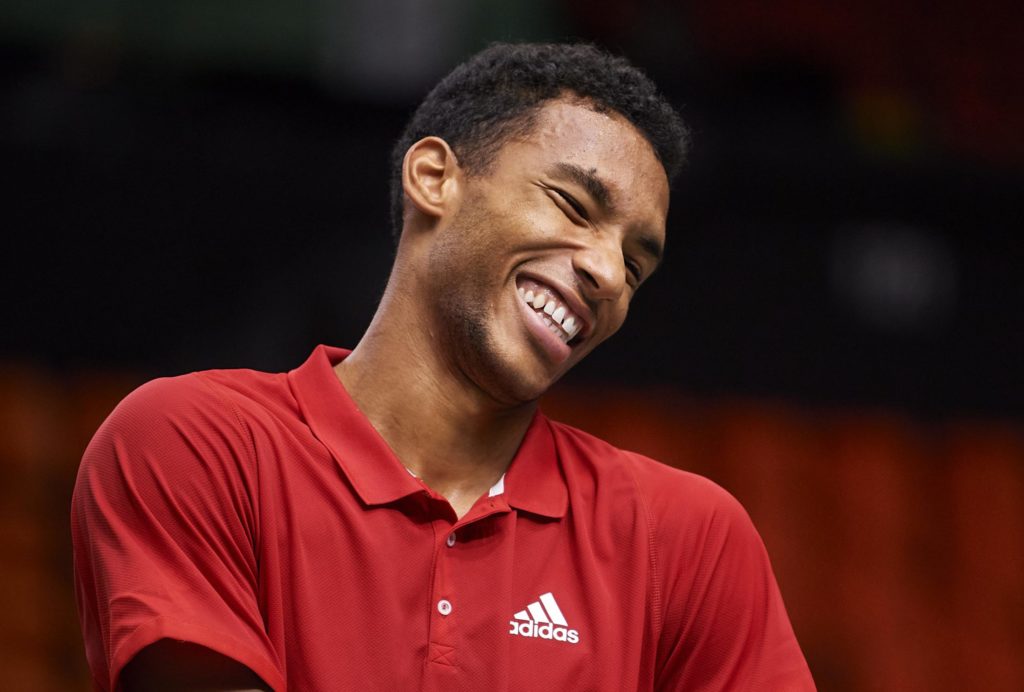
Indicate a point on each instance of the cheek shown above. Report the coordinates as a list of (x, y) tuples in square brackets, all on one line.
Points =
[(619, 316), (520, 233), (476, 232), (535, 217)]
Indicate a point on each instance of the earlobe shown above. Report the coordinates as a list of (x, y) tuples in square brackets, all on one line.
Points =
[(430, 176)]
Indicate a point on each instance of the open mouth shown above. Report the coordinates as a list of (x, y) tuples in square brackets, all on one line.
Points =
[(553, 310)]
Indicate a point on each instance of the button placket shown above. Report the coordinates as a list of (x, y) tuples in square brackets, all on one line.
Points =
[(444, 623)]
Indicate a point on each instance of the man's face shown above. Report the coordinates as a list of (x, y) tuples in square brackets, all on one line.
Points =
[(544, 254)]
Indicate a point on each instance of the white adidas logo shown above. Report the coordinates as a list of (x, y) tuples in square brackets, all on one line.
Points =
[(543, 618)]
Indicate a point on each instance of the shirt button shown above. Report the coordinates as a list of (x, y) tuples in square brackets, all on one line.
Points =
[(444, 606), (450, 541)]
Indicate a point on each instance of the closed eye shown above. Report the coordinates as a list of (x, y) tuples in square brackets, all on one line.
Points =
[(576, 207), (634, 269)]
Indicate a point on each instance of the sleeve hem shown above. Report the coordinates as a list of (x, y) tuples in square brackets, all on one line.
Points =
[(220, 642)]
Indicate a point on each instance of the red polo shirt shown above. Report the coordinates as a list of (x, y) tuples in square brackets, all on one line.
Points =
[(262, 516)]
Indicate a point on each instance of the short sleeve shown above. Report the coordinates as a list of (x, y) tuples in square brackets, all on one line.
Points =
[(725, 625), (164, 529)]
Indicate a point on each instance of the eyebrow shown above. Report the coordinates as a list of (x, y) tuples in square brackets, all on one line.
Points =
[(588, 180), (592, 183)]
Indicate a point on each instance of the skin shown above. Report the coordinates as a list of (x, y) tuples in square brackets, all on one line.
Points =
[(174, 666), (450, 370)]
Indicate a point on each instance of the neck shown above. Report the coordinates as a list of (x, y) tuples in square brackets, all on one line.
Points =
[(440, 425)]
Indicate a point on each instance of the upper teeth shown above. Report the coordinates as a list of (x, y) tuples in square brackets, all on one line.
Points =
[(557, 316)]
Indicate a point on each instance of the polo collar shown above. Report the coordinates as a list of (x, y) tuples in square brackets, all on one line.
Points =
[(533, 481), (366, 459)]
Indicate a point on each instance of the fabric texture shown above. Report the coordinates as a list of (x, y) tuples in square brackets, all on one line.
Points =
[(262, 516)]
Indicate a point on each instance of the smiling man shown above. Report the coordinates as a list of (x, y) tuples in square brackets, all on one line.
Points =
[(402, 516)]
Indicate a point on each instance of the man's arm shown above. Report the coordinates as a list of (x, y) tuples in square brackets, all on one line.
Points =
[(164, 524), (174, 666)]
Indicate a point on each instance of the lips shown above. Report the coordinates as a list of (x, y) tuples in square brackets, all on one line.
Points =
[(552, 308)]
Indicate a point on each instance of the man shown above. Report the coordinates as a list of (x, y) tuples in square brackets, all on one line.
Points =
[(402, 517)]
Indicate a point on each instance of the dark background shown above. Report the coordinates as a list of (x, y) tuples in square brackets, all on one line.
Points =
[(190, 188)]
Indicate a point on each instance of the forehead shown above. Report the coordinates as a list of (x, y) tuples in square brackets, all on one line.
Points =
[(605, 144)]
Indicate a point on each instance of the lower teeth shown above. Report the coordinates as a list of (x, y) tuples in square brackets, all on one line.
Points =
[(555, 329)]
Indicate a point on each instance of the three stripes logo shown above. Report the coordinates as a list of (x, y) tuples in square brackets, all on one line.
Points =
[(543, 619)]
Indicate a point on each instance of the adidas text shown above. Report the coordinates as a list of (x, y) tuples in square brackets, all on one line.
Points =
[(544, 631)]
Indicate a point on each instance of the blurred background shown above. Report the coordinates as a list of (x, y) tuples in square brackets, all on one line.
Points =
[(835, 335)]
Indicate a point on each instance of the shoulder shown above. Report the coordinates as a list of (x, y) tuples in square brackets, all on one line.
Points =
[(200, 419), (183, 404), (208, 398), (690, 520), (670, 494)]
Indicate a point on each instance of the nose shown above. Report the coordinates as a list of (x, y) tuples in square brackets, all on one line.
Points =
[(601, 269)]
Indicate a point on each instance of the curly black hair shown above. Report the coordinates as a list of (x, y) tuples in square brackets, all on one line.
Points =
[(497, 93)]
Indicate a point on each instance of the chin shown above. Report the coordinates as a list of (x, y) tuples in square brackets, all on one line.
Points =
[(511, 376), (508, 384), (513, 379)]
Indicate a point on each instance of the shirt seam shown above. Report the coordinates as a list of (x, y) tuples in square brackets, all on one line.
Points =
[(245, 431), (652, 554), (431, 594)]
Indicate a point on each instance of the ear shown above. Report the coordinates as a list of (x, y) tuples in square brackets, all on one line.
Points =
[(431, 176)]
